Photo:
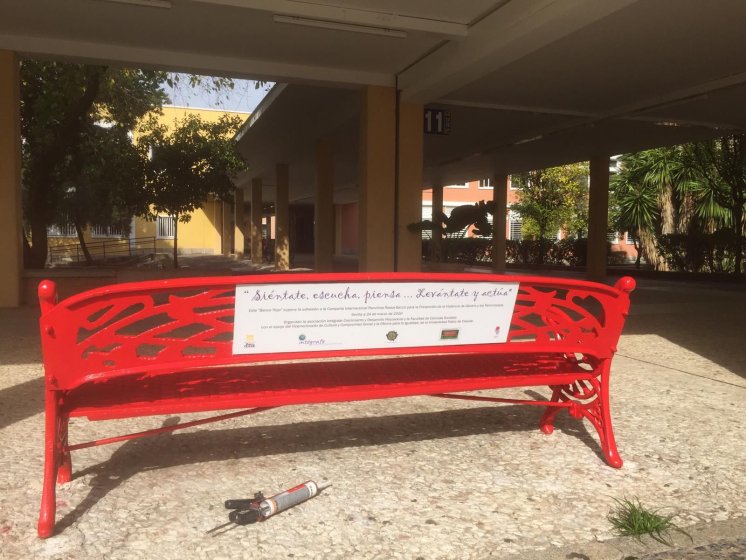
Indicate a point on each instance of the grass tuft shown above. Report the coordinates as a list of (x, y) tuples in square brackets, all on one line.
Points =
[(631, 519)]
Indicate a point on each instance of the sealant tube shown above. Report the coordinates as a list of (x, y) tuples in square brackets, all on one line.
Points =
[(289, 498), (251, 511)]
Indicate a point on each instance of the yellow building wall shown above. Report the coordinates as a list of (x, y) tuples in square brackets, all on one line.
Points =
[(209, 229), (202, 234)]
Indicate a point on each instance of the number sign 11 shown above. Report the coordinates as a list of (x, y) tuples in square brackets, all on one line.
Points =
[(437, 121)]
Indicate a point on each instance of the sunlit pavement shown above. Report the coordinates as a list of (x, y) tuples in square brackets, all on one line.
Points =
[(414, 477)]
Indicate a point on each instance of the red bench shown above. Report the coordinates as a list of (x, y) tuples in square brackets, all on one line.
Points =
[(166, 347)]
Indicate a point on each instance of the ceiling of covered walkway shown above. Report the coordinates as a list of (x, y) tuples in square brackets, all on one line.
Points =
[(528, 83)]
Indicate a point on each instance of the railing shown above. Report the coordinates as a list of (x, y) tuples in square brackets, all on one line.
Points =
[(103, 250)]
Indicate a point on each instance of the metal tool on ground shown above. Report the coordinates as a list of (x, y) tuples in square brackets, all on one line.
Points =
[(260, 508)]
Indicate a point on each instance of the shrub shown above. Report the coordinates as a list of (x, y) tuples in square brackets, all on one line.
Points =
[(699, 252), (478, 250), (465, 250)]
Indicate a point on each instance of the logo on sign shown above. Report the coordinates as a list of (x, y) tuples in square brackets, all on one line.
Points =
[(302, 339), (249, 342), (392, 335), (449, 334)]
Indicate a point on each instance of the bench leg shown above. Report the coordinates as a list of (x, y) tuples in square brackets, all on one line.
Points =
[(587, 400), (52, 458), (602, 411), (546, 424), (65, 471)]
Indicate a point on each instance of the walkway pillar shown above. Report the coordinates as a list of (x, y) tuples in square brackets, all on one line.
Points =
[(282, 218), (409, 203), (499, 237), (238, 219), (338, 232), (598, 217), (256, 220), (436, 247), (377, 178), (11, 247), (323, 217)]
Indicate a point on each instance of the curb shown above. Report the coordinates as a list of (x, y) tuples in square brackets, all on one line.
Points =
[(629, 548)]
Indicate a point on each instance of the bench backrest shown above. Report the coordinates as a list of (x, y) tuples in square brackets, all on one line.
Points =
[(187, 323)]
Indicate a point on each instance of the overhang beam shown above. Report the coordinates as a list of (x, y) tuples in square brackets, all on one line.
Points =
[(504, 36), (350, 16), (190, 62)]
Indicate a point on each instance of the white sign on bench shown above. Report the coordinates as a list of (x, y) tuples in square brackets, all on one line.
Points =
[(363, 315)]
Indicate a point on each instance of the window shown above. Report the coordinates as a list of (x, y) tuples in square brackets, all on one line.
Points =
[(515, 222), (458, 186), (613, 238), (485, 183), (614, 164), (629, 238), (165, 227), (427, 214), (108, 231), (427, 210), (62, 230)]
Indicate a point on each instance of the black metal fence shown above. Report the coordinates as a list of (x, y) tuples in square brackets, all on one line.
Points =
[(104, 250)]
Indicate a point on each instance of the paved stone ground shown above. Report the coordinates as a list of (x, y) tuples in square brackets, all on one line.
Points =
[(412, 478), (734, 549)]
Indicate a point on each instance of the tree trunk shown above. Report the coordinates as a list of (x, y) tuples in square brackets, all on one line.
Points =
[(738, 202), (83, 246), (42, 166), (38, 250), (26, 249), (665, 200), (638, 248), (436, 241), (176, 241), (542, 234), (647, 246)]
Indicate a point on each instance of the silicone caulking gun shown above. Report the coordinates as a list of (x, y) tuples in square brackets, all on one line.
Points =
[(261, 508)]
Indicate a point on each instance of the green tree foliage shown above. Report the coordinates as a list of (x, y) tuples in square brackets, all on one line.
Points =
[(191, 161), (61, 105), (692, 189), (720, 165), (551, 199), (634, 201), (104, 182)]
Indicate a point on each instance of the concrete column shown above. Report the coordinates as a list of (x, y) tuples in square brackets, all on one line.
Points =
[(436, 245), (282, 218), (377, 177), (256, 220), (238, 218), (499, 237), (598, 217), (11, 247), (338, 229), (323, 212), (228, 228), (409, 203)]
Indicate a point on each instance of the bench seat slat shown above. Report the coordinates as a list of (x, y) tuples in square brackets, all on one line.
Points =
[(309, 382)]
